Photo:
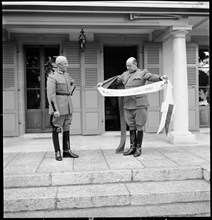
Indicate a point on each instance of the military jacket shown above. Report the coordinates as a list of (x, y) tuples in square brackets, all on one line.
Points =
[(135, 79), (59, 88)]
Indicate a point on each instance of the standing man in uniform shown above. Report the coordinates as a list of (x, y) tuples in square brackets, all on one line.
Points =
[(60, 87), (135, 107)]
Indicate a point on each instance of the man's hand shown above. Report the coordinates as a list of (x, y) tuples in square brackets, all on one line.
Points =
[(57, 114), (99, 84), (164, 78)]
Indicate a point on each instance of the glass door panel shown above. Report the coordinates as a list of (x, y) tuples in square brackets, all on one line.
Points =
[(50, 54), (39, 64), (33, 78)]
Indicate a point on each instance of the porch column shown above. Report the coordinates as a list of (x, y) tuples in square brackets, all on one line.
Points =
[(180, 133), (20, 79)]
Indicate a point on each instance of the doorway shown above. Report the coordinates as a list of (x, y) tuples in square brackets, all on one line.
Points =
[(115, 64), (38, 65)]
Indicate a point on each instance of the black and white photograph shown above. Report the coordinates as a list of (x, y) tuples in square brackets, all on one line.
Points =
[(106, 109)]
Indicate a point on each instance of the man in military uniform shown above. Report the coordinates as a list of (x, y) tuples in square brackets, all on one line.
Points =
[(135, 107), (60, 87)]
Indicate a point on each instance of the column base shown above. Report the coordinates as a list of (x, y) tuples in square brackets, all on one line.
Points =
[(182, 138)]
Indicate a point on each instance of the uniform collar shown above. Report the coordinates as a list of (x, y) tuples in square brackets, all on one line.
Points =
[(133, 71), (59, 71)]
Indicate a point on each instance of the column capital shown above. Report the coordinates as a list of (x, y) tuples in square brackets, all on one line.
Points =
[(179, 32), (174, 31), (180, 28)]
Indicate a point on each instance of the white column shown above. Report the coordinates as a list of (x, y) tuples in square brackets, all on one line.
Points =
[(20, 77), (180, 133)]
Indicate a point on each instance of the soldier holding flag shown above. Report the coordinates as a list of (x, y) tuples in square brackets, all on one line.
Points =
[(135, 107)]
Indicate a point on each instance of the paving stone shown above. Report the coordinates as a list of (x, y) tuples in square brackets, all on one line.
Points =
[(24, 163), (173, 149), (90, 156), (49, 164), (151, 155), (22, 199), (179, 209), (188, 209), (26, 158), (91, 166), (90, 160), (163, 174), (168, 192), (89, 177), (117, 212), (19, 169), (159, 163), (124, 162), (205, 155), (27, 180), (184, 159), (7, 158), (92, 196)]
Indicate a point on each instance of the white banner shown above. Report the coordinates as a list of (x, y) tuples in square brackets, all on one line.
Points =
[(153, 87), (164, 109)]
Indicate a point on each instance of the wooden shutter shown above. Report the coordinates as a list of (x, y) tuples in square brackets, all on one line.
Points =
[(192, 71), (71, 51), (153, 63), (91, 115), (10, 96)]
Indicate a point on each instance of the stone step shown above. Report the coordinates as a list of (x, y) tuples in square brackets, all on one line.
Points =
[(103, 176), (186, 209), (128, 194)]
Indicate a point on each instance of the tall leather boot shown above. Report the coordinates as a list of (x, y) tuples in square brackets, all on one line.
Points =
[(132, 143), (66, 146), (56, 144), (140, 135)]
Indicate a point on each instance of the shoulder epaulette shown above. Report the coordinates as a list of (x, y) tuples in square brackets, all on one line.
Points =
[(52, 74)]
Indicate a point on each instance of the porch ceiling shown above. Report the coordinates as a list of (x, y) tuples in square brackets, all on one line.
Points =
[(103, 17), (180, 7)]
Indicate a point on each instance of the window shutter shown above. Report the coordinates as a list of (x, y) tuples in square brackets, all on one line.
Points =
[(10, 96), (73, 57), (8, 66), (192, 71), (153, 63), (91, 65), (91, 113), (192, 60)]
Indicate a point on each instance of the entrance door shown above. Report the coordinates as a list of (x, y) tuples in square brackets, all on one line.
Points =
[(38, 64), (115, 64)]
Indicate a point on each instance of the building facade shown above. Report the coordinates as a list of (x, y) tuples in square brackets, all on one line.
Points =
[(164, 36)]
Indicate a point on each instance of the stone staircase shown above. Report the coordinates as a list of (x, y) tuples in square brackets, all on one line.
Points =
[(145, 192)]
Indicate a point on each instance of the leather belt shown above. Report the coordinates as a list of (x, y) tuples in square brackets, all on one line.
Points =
[(67, 94)]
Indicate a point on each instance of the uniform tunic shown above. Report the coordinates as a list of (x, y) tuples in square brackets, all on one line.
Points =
[(136, 106), (59, 88), (135, 79)]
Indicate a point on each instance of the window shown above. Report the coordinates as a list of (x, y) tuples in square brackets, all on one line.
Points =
[(204, 88), (204, 77)]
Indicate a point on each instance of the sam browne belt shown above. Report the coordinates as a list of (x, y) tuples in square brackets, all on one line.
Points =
[(67, 94)]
